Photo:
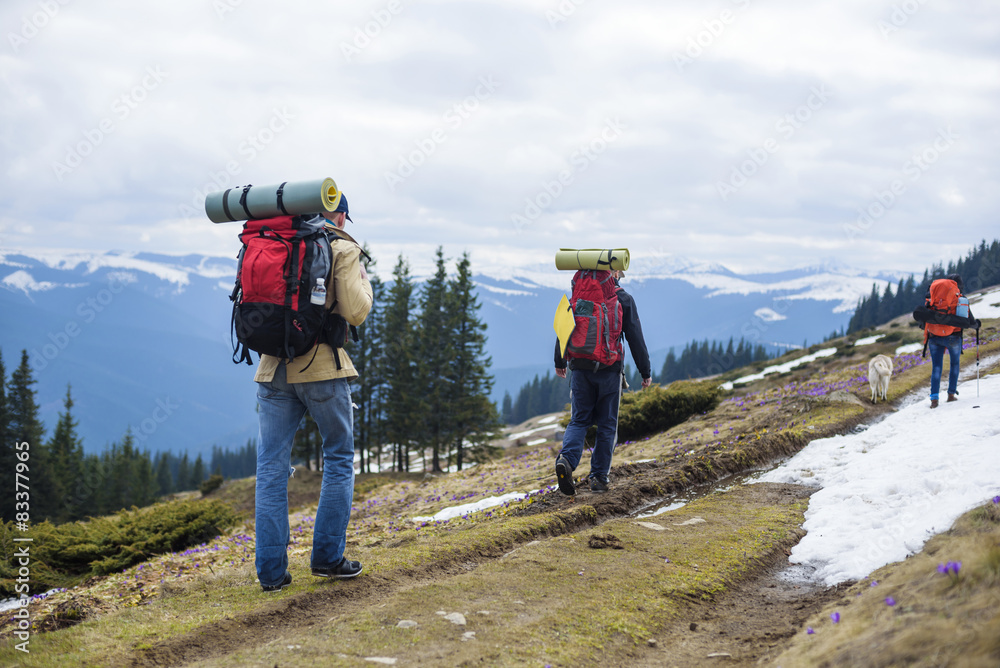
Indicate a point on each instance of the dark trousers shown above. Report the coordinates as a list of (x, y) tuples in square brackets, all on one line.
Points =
[(595, 396)]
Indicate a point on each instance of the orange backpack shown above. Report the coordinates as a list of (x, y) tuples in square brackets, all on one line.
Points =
[(944, 294)]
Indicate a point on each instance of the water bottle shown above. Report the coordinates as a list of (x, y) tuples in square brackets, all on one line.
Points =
[(318, 296), (962, 310)]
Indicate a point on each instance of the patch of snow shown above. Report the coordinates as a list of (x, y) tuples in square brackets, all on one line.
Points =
[(987, 305), (537, 441), (885, 491), (551, 418), (466, 508), (529, 432), (909, 348), (868, 340), (780, 368)]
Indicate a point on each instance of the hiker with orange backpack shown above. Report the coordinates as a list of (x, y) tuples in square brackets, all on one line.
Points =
[(604, 313), (945, 313)]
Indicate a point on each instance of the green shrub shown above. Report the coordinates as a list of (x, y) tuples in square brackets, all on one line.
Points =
[(63, 555), (212, 483), (657, 409)]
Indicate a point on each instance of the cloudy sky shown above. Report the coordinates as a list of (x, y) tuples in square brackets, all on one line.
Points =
[(761, 135)]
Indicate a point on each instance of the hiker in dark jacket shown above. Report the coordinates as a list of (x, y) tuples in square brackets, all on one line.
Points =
[(596, 395), (939, 340)]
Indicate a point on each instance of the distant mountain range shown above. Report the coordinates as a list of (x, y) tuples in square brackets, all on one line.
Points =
[(144, 338)]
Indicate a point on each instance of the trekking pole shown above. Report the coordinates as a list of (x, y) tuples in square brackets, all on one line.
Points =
[(977, 362), (621, 390)]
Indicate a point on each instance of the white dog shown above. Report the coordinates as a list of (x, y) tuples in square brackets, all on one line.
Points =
[(879, 373)]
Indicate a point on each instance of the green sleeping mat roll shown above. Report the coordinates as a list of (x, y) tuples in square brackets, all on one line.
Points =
[(571, 259), (290, 198)]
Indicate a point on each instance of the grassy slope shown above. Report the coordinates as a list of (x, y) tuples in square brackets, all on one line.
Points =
[(204, 604)]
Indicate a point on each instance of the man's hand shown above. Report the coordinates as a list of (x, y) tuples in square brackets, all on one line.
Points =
[(561, 373), (646, 382)]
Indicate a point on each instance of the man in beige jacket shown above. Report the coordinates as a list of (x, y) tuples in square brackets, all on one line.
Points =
[(285, 391)]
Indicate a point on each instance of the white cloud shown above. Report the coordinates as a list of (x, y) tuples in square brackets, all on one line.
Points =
[(207, 121)]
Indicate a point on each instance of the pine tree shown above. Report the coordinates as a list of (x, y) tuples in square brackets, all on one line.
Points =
[(145, 485), (25, 426), (507, 410), (398, 360), (164, 481), (66, 454), (435, 354), (198, 472), (474, 417), (369, 388), (183, 483)]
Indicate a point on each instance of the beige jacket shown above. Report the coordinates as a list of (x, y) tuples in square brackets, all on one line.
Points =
[(353, 294)]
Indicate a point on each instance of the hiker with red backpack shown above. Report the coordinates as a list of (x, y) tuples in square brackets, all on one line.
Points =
[(945, 313), (604, 312), (300, 287)]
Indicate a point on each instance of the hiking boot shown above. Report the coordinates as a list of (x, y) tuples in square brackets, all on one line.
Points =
[(564, 475), (344, 570), (934, 403), (598, 484), (952, 397), (287, 580)]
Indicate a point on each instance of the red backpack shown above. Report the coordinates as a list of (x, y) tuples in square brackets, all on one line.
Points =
[(598, 314), (282, 262)]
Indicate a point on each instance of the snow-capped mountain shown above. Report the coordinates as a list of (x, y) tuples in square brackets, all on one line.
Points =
[(144, 339)]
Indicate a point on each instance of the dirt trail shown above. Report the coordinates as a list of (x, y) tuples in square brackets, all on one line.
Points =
[(744, 623)]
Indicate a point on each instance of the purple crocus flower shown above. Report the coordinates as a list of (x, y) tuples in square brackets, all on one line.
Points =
[(810, 631), (835, 617), (890, 601), (996, 499)]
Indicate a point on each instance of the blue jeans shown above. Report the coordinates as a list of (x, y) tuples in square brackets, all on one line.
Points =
[(937, 345), (595, 400), (282, 407)]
